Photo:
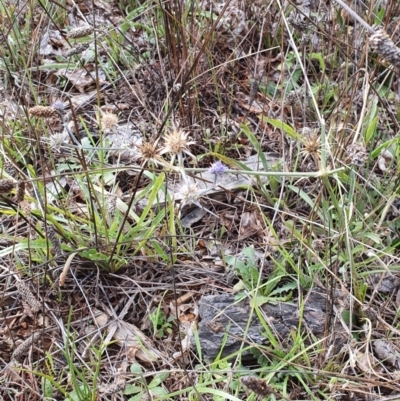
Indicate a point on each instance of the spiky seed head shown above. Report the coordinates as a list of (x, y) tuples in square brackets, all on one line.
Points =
[(59, 139), (148, 152), (312, 145), (80, 32), (43, 111), (311, 141), (6, 186), (188, 193), (109, 121), (177, 142), (77, 49)]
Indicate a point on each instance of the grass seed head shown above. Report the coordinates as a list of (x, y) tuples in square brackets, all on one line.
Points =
[(111, 204), (357, 154), (257, 385), (20, 191), (43, 111), (384, 46), (28, 297), (77, 49), (52, 236), (80, 32), (22, 349), (25, 207), (9, 168), (6, 186)]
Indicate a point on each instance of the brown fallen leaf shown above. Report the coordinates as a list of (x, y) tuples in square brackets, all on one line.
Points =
[(136, 345)]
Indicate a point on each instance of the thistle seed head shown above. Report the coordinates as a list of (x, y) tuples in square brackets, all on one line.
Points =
[(188, 193), (109, 121), (148, 151), (177, 142)]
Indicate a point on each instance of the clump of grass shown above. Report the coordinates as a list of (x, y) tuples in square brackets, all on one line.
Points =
[(203, 89)]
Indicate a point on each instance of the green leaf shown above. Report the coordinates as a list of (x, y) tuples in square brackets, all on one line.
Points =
[(318, 56), (374, 237), (234, 262), (47, 387), (158, 391), (132, 389), (256, 144), (284, 288), (137, 397), (287, 129), (136, 368), (153, 196), (158, 379)]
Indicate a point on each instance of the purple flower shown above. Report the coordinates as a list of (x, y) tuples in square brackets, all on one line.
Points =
[(217, 168), (58, 105)]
